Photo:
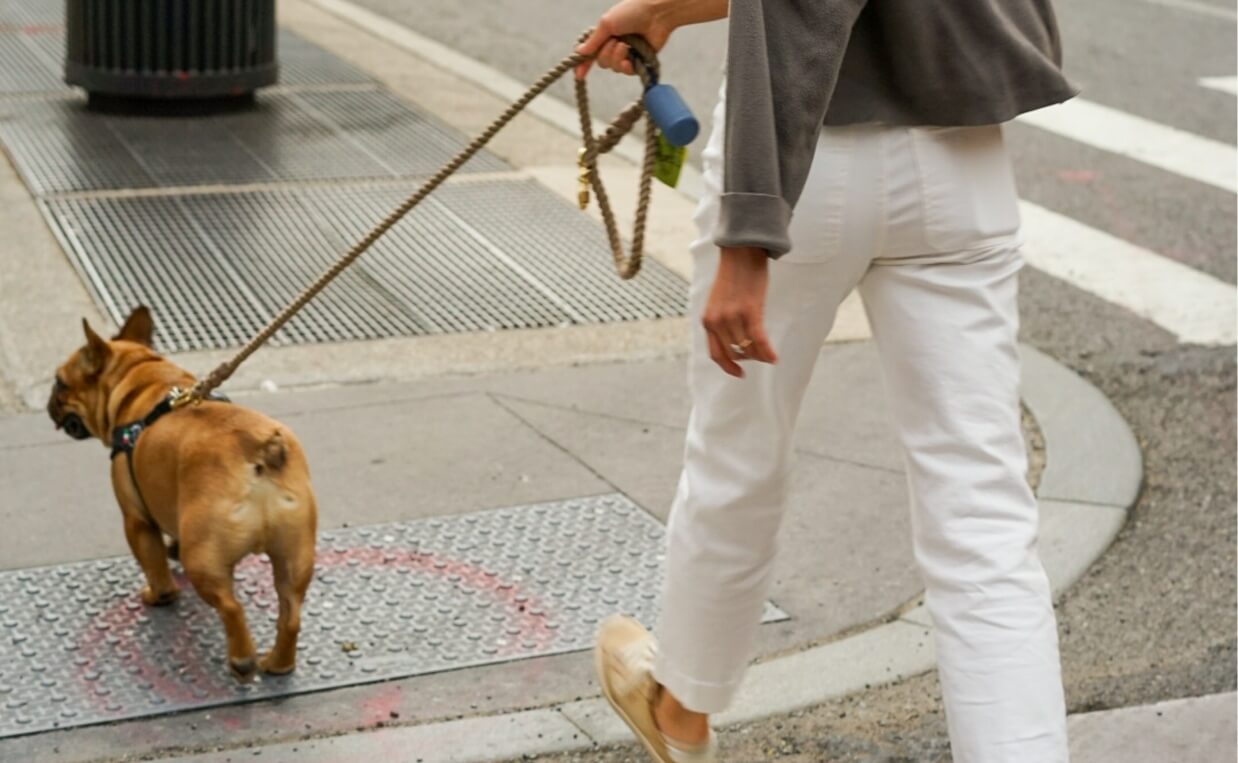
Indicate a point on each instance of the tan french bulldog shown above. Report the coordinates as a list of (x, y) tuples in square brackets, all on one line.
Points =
[(222, 481)]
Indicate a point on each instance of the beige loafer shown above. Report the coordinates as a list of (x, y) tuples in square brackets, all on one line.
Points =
[(624, 656)]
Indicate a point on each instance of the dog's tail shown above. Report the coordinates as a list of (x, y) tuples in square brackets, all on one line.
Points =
[(270, 455)]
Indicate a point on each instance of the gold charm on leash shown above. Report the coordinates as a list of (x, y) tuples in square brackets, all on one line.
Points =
[(582, 196)]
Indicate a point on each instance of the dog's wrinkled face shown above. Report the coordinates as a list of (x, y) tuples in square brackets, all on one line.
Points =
[(65, 407), (78, 396)]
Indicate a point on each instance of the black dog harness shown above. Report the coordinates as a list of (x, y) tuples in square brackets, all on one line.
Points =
[(125, 436)]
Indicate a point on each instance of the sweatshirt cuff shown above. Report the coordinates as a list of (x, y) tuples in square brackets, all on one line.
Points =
[(754, 219)]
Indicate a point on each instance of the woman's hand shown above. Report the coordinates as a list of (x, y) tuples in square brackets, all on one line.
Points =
[(734, 317), (652, 19), (646, 18)]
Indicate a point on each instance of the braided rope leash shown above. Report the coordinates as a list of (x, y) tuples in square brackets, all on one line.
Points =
[(646, 64), (626, 265)]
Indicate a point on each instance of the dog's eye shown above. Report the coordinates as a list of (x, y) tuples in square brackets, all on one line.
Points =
[(60, 386)]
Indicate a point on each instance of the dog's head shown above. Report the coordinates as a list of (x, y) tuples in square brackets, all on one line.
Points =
[(78, 402)]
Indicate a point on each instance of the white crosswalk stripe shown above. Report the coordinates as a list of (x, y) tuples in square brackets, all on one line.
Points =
[(1193, 306), (1168, 148), (1224, 84), (1199, 8)]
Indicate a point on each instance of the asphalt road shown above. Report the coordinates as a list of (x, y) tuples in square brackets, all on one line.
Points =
[(1154, 619)]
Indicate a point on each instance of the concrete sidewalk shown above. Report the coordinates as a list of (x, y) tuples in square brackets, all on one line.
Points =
[(419, 428), (1196, 730), (445, 446)]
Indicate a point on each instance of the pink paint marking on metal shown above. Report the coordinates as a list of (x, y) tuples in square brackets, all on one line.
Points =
[(122, 621)]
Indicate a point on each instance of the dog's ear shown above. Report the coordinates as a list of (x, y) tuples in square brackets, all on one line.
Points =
[(139, 327), (95, 353)]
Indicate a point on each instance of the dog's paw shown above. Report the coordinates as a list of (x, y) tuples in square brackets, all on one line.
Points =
[(242, 669), (268, 665), (161, 599)]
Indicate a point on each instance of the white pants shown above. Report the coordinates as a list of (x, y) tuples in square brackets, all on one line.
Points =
[(925, 222)]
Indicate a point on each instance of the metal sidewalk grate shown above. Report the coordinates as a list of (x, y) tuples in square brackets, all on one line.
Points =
[(304, 64), (29, 13), (475, 256), (60, 146), (77, 647), (31, 60)]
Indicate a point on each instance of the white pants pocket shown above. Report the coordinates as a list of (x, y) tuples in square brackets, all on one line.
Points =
[(967, 186)]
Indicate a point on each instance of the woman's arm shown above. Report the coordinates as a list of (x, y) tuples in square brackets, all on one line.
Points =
[(652, 19), (782, 64), (783, 60)]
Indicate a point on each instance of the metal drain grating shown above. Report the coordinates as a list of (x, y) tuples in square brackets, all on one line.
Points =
[(475, 256), (60, 146), (28, 13), (578, 259), (304, 64), (77, 647), (32, 60)]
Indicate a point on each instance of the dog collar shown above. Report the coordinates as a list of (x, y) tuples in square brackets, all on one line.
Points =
[(125, 436)]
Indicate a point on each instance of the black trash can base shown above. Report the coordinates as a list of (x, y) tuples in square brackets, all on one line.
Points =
[(105, 103), (171, 49)]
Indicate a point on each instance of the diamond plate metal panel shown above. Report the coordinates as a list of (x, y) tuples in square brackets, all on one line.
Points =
[(475, 256), (60, 146), (77, 646)]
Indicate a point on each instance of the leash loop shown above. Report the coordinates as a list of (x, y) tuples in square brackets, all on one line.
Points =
[(626, 265)]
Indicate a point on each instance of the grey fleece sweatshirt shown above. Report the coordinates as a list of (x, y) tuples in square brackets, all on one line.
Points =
[(794, 65)]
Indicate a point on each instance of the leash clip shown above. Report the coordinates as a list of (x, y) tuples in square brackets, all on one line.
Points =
[(179, 398)]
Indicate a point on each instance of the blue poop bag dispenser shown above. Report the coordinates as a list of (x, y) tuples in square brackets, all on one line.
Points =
[(671, 114), (663, 102)]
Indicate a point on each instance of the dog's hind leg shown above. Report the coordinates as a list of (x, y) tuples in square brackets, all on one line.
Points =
[(292, 562), (146, 542), (211, 575), (173, 548)]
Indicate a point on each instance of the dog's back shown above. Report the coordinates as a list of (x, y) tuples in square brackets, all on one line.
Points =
[(225, 471)]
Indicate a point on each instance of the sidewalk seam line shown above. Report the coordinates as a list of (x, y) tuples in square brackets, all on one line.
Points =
[(639, 422), (583, 731), (514, 398), (850, 462), (1087, 502), (589, 468), (377, 403)]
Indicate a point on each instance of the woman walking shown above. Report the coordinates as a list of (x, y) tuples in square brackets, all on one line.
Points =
[(856, 144)]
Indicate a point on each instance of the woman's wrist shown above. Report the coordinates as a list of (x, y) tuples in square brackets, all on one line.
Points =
[(745, 255)]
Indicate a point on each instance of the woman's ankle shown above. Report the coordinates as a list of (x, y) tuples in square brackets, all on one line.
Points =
[(677, 723)]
